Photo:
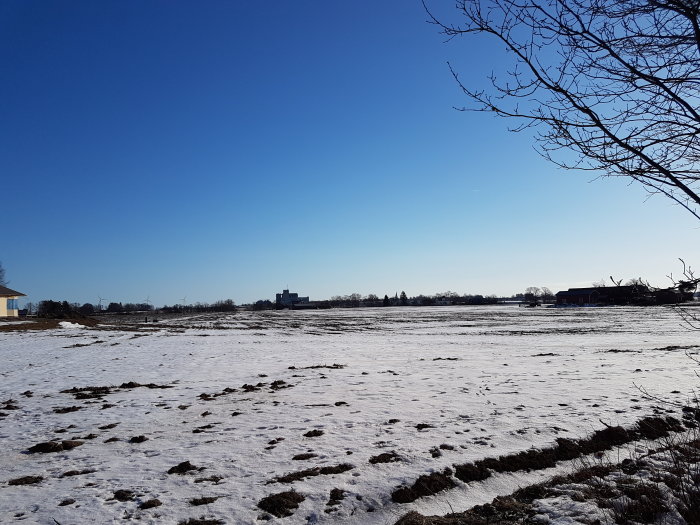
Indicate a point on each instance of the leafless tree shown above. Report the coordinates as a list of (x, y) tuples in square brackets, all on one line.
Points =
[(617, 282), (532, 290), (688, 283), (3, 282), (615, 81)]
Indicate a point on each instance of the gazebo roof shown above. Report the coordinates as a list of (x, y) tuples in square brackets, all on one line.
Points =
[(6, 292)]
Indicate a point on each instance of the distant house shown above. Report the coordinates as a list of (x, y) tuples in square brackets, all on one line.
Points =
[(9, 306), (290, 300), (636, 294), (578, 296)]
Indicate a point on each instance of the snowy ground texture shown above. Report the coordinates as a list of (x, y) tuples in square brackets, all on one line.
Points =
[(248, 393)]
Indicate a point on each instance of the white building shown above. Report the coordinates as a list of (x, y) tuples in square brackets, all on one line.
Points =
[(9, 306), (287, 299)]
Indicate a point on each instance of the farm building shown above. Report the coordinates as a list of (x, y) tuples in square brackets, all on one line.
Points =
[(290, 300), (9, 306), (637, 294)]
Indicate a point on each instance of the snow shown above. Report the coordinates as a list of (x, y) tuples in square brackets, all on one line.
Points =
[(489, 381), (10, 321), (70, 326)]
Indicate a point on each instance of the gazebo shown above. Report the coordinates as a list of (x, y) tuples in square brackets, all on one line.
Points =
[(9, 306)]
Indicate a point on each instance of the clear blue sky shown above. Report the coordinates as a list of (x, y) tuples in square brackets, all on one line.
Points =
[(218, 149)]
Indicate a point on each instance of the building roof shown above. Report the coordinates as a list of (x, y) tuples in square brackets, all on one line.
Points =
[(606, 290), (6, 292), (578, 291)]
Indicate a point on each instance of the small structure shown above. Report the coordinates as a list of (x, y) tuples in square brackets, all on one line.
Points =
[(578, 297), (636, 294), (290, 300), (606, 295), (9, 306)]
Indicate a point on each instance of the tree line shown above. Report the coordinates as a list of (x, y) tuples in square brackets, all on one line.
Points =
[(66, 310), (356, 300)]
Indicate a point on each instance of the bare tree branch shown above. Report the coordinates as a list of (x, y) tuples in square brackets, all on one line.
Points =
[(615, 81)]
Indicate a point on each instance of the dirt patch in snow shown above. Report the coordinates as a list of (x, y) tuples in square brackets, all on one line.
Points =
[(53, 446), (336, 496), (311, 472), (201, 521), (98, 392), (641, 490), (385, 457), (26, 480), (334, 366), (204, 500), (124, 495), (425, 485), (46, 324), (304, 456), (150, 504), (538, 459), (183, 468), (281, 504)]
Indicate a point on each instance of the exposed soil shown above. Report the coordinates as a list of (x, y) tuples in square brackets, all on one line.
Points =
[(150, 504), (53, 446), (201, 521), (45, 324), (70, 473), (26, 480), (66, 410), (9, 405), (336, 496), (538, 459), (425, 485), (612, 487), (203, 500), (566, 449), (204, 396), (385, 457), (500, 511), (636, 502), (334, 366), (311, 472), (279, 385), (123, 495), (213, 479), (98, 392), (184, 468), (305, 456), (281, 504)]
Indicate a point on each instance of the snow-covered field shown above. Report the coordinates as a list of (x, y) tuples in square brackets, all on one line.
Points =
[(487, 381)]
